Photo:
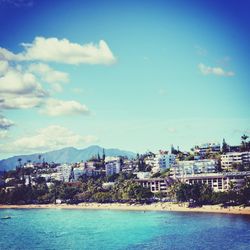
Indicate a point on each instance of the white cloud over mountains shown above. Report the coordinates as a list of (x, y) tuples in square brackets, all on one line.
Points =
[(62, 51), (49, 138), (28, 81), (206, 70), (54, 107)]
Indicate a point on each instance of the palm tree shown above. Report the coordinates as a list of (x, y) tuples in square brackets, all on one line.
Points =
[(39, 157), (20, 162), (244, 142)]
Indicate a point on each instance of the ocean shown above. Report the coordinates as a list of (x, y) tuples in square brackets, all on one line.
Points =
[(107, 229)]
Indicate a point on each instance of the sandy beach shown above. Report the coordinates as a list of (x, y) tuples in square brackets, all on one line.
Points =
[(138, 207)]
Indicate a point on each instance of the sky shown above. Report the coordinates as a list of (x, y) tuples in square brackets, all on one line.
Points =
[(134, 75)]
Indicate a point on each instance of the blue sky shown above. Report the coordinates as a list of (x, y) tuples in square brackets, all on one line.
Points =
[(136, 75)]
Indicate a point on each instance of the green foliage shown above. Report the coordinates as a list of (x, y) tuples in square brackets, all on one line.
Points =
[(225, 147)]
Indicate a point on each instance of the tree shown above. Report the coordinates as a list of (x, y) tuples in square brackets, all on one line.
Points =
[(183, 192), (20, 162), (244, 144), (225, 147)]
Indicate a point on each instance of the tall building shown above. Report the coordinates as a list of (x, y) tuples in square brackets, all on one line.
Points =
[(163, 160), (65, 171), (112, 165)]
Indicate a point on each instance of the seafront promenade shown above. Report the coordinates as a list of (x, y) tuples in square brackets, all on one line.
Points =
[(168, 207)]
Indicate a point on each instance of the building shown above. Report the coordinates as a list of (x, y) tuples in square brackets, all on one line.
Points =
[(65, 170), (128, 166), (143, 175), (194, 167), (57, 176), (207, 147), (156, 184), (162, 161), (149, 160), (229, 160), (112, 165), (108, 185), (218, 181), (28, 165), (78, 172)]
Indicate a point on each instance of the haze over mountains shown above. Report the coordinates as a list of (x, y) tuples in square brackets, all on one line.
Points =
[(65, 155)]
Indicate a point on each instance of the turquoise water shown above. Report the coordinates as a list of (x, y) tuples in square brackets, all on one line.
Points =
[(100, 229)]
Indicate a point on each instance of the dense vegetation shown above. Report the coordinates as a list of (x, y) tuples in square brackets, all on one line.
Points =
[(198, 194), (88, 189), (124, 189)]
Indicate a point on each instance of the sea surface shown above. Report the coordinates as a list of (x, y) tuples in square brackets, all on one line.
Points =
[(107, 229)]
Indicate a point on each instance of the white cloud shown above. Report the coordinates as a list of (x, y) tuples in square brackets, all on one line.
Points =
[(20, 89), (18, 82), (54, 107), (8, 55), (62, 51), (206, 70), (49, 138), (3, 67), (48, 74), (5, 123)]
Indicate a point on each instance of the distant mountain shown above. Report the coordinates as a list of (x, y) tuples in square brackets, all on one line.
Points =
[(65, 155)]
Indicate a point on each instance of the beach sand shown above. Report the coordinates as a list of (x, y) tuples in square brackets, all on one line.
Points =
[(138, 207)]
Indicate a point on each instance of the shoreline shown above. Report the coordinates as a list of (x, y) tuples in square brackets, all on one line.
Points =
[(164, 207)]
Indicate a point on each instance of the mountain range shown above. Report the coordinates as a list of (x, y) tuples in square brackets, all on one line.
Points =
[(65, 155)]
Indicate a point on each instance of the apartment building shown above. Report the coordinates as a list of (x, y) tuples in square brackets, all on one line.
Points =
[(156, 184), (194, 167), (112, 166), (230, 159), (207, 147), (218, 181)]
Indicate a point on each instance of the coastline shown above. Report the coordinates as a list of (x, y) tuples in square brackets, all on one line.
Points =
[(165, 207)]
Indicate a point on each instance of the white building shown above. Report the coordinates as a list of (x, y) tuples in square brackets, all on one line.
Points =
[(28, 165), (218, 181), (156, 184), (150, 160), (57, 176), (237, 158), (194, 167), (162, 161), (128, 166), (108, 185), (78, 172), (112, 166), (207, 147), (65, 170), (143, 175)]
